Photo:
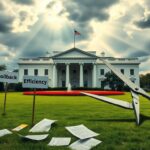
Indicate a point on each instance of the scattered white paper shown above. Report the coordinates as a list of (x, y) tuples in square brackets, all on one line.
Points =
[(43, 126), (20, 127), (81, 132), (35, 137), (4, 132), (85, 144), (59, 141)]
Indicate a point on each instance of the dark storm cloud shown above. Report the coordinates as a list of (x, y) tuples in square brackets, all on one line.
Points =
[(139, 53), (144, 23), (82, 12), (5, 23), (144, 59), (24, 2), (86, 10)]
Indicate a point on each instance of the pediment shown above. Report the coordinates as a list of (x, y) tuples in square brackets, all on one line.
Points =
[(74, 53)]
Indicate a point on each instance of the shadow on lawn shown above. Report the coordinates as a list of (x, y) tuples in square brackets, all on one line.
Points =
[(143, 118), (113, 120)]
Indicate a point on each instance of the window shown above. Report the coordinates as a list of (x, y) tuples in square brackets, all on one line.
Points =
[(102, 72), (46, 71), (122, 71), (25, 71), (35, 72), (131, 71)]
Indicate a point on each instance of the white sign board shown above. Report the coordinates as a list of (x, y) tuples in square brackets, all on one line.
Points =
[(9, 77), (38, 82)]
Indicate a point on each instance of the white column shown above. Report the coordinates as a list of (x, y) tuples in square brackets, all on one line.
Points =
[(94, 75), (56, 78), (67, 75), (54, 75), (81, 75)]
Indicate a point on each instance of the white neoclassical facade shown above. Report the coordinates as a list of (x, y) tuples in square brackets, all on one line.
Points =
[(77, 67)]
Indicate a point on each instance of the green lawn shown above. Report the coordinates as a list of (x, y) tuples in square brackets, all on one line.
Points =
[(116, 125)]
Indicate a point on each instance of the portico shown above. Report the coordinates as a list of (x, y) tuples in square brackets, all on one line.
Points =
[(75, 67), (77, 74)]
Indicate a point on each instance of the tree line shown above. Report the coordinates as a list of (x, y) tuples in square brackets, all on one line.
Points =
[(145, 81)]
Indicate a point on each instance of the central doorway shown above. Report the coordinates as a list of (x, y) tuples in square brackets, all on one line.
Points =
[(74, 75)]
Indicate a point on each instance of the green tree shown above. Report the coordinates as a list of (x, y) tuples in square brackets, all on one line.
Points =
[(113, 81), (145, 81)]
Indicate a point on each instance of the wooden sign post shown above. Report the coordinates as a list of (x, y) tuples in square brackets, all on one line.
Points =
[(35, 82), (33, 106), (5, 98), (7, 77)]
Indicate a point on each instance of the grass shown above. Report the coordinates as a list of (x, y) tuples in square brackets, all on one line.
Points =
[(116, 126)]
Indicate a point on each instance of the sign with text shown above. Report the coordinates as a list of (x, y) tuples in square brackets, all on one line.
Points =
[(8, 77), (37, 82)]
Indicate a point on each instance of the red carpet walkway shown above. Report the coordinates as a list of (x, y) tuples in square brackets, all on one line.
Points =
[(75, 92)]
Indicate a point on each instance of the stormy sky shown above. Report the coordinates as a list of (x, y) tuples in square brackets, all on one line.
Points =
[(30, 28)]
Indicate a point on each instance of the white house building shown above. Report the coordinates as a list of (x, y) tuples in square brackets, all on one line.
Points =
[(77, 67)]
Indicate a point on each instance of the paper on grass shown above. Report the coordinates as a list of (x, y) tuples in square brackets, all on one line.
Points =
[(35, 137), (4, 132), (81, 131), (59, 141), (85, 144), (20, 127), (43, 126)]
